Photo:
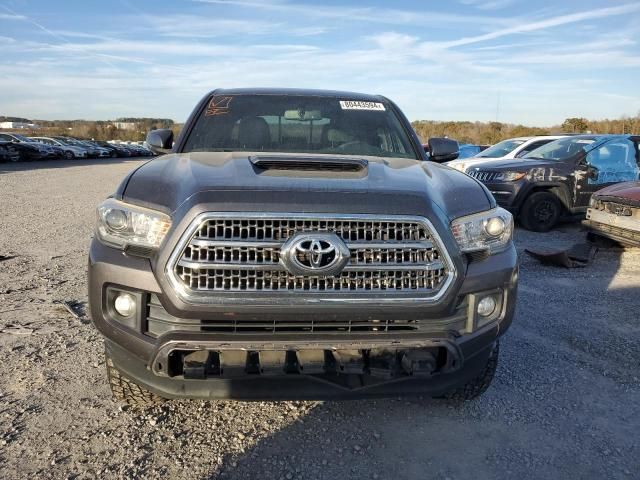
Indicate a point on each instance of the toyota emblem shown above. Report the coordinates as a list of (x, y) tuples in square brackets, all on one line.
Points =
[(314, 254)]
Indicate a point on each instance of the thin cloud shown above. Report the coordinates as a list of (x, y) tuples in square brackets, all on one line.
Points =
[(11, 16), (184, 26), (545, 24), (52, 33), (129, 60), (361, 15), (489, 4)]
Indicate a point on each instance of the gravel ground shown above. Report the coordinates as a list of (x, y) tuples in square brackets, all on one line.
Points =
[(565, 402)]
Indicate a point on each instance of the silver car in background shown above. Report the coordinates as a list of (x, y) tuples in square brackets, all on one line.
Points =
[(71, 150)]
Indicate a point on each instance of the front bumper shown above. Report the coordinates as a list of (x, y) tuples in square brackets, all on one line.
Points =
[(474, 352), (622, 229), (457, 340)]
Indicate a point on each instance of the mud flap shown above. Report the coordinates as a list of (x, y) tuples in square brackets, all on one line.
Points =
[(580, 255)]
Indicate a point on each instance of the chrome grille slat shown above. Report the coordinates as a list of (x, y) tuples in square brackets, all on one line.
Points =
[(399, 267), (240, 253), (437, 265), (282, 229), (234, 243), (280, 280), (395, 245)]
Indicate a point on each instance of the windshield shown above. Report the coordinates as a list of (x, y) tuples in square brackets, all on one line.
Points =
[(561, 149), (299, 124), (501, 149)]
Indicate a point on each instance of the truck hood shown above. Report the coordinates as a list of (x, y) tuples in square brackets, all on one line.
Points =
[(626, 190), (231, 181)]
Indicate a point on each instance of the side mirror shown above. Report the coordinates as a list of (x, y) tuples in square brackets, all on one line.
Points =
[(592, 172), (443, 149), (160, 141)]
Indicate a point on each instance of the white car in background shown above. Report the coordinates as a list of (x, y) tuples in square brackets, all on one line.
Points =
[(510, 148)]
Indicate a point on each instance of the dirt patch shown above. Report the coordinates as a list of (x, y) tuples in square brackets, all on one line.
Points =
[(565, 402)]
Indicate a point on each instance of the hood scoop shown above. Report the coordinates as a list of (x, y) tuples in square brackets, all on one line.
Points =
[(314, 164)]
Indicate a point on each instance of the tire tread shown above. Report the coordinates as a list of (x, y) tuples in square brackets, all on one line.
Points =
[(126, 391), (478, 385)]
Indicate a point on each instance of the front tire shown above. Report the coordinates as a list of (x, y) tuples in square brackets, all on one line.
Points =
[(126, 391), (69, 155), (540, 212), (478, 385)]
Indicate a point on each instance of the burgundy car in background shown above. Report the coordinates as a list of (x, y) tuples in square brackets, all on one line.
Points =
[(614, 212)]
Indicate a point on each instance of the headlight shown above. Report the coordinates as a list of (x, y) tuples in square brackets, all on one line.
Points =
[(459, 167), (121, 224), (593, 201), (509, 176), (490, 230)]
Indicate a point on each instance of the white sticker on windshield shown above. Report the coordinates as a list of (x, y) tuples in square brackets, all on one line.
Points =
[(588, 142), (357, 105)]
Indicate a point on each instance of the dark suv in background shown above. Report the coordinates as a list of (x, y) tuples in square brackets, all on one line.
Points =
[(559, 178)]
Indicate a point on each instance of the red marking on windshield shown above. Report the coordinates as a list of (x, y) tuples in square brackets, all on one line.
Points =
[(218, 106)]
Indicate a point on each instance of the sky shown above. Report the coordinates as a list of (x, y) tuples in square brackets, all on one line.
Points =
[(516, 61)]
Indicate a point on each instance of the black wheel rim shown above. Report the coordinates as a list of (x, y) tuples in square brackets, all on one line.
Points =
[(544, 211)]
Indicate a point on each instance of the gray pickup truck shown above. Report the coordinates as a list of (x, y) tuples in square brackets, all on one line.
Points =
[(297, 244)]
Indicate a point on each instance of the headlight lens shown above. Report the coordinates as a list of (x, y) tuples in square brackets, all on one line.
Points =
[(121, 224), (509, 176), (491, 230)]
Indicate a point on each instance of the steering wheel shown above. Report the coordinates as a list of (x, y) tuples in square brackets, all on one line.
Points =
[(352, 143)]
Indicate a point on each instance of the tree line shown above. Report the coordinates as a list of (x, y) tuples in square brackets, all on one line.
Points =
[(488, 133), (100, 129), (481, 133)]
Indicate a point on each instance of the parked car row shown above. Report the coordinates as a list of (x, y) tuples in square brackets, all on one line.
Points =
[(544, 179), (19, 148)]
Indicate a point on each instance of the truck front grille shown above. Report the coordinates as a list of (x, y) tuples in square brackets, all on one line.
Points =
[(615, 208), (220, 253)]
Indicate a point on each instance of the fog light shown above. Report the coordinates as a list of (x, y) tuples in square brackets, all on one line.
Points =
[(486, 306), (125, 305)]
